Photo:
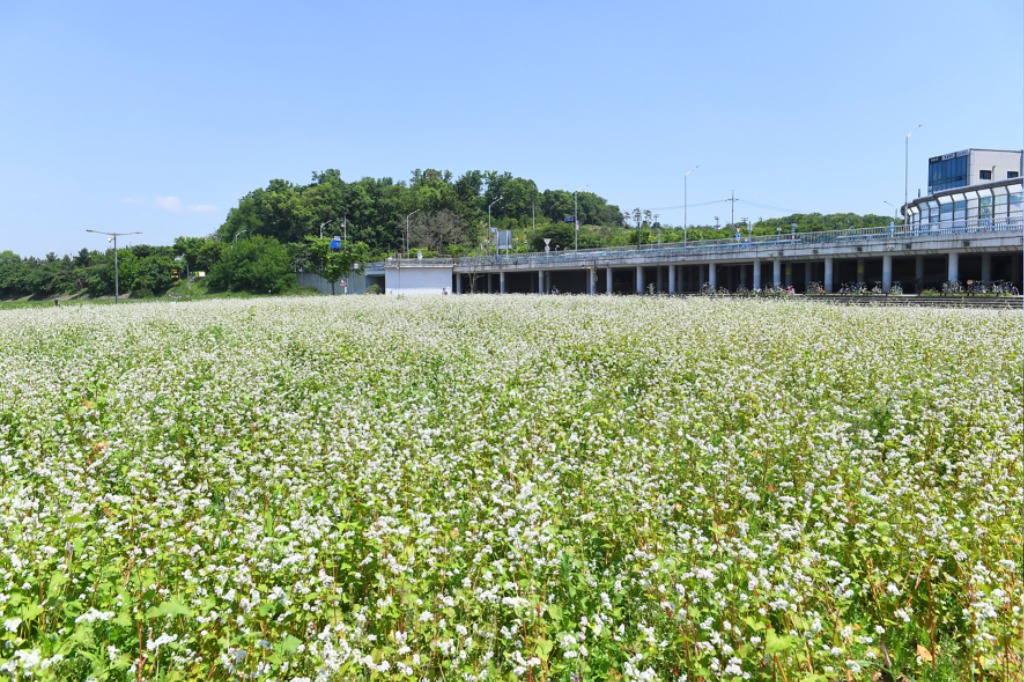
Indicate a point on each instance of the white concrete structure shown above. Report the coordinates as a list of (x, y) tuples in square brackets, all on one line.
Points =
[(414, 277)]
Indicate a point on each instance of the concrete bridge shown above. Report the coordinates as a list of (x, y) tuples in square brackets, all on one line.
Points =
[(919, 257)]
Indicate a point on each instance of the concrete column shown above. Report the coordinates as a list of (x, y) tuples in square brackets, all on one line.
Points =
[(789, 274), (757, 275), (986, 268), (592, 280), (712, 276), (829, 275), (953, 271), (743, 275), (860, 271), (886, 273), (501, 282), (671, 279), (490, 283), (776, 273), (540, 282), (608, 280), (918, 274), (639, 279), (458, 284)]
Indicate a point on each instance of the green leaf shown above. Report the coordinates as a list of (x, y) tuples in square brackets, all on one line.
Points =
[(57, 580), (755, 625), (290, 644), (543, 649), (30, 611), (773, 644), (171, 607), (555, 612)]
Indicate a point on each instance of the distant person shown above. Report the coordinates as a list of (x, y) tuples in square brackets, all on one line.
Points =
[(444, 291)]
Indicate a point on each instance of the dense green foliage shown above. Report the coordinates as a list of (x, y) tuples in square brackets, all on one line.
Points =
[(143, 271), (434, 213), (260, 264), (470, 488), (374, 211)]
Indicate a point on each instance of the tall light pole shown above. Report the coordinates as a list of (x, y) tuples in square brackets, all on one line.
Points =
[(686, 203), (322, 226), (894, 209), (906, 170), (237, 235), (113, 237), (576, 218), (491, 229), (407, 230)]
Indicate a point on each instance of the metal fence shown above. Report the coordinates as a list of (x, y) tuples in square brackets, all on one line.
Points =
[(699, 249)]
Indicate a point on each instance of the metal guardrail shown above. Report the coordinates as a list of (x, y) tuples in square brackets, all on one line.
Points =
[(705, 247)]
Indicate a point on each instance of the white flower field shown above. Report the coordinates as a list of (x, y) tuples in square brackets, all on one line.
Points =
[(490, 488)]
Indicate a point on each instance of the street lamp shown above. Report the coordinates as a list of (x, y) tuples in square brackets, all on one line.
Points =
[(491, 229), (407, 230), (894, 209), (576, 216), (237, 235), (113, 238), (686, 202), (906, 169), (322, 226)]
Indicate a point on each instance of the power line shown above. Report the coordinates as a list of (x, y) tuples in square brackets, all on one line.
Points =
[(705, 203), (726, 201)]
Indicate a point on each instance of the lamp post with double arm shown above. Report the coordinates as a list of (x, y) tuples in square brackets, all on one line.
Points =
[(113, 238)]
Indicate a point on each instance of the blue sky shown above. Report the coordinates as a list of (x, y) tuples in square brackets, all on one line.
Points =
[(158, 117)]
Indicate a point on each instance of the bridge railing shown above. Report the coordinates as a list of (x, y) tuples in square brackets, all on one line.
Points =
[(705, 247)]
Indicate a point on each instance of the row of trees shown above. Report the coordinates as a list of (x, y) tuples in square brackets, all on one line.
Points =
[(284, 227), (144, 270), (258, 264), (435, 211)]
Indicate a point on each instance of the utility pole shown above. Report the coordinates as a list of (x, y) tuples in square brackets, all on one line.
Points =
[(686, 203), (732, 208), (113, 238)]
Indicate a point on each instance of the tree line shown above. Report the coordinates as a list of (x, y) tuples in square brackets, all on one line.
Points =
[(329, 225), (435, 211)]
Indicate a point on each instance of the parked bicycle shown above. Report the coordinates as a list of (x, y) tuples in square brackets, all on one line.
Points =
[(1002, 286)]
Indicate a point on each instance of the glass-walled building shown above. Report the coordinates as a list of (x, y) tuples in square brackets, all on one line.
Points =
[(973, 188), (971, 167)]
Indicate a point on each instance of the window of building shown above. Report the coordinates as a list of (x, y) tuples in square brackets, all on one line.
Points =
[(1012, 174), (947, 174), (985, 175)]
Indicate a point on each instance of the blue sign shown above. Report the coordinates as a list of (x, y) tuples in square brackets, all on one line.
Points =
[(569, 219), (335, 244)]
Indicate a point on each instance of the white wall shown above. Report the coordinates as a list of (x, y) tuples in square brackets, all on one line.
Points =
[(414, 279), (985, 159)]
